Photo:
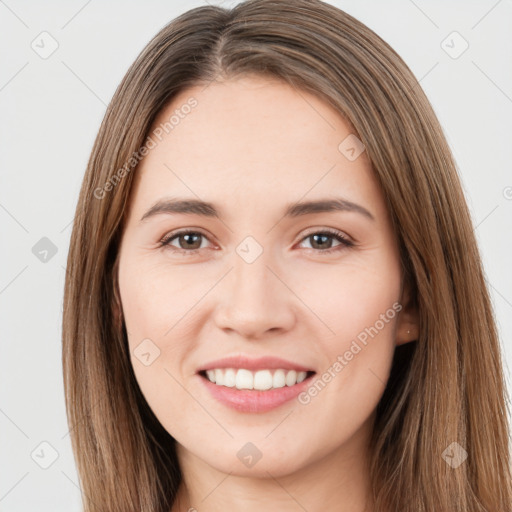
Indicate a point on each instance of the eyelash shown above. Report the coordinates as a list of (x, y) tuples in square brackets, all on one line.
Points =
[(344, 241)]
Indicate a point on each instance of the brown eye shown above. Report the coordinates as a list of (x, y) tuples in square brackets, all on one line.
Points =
[(322, 241), (188, 241)]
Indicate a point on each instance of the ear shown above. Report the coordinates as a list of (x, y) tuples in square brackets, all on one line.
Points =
[(407, 327)]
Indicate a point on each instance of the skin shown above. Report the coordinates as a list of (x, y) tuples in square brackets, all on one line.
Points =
[(253, 145)]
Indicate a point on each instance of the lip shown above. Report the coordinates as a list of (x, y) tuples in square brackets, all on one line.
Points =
[(253, 364), (255, 401)]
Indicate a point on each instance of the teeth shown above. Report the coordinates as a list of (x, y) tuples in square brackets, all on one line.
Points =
[(291, 378), (279, 379), (301, 376), (230, 378), (260, 380), (244, 379), (219, 377)]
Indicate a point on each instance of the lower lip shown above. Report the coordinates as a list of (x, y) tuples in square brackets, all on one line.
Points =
[(252, 400)]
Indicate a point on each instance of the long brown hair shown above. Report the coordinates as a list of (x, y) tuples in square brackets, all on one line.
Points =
[(447, 387)]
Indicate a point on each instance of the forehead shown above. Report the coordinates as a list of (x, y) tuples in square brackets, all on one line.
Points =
[(254, 137), (252, 116)]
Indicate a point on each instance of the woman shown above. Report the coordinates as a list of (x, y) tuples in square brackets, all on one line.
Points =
[(216, 353)]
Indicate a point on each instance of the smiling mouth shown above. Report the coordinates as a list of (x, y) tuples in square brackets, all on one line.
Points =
[(260, 380)]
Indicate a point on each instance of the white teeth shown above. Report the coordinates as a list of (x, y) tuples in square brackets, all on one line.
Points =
[(279, 379), (244, 379), (291, 378), (260, 380), (219, 377), (230, 378), (301, 376)]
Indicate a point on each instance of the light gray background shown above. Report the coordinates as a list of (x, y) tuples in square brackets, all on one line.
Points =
[(51, 110)]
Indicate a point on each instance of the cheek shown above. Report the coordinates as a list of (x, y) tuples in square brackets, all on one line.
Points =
[(360, 306), (351, 297), (155, 297), (159, 303)]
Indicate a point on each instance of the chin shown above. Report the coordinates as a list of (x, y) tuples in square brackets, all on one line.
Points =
[(247, 460)]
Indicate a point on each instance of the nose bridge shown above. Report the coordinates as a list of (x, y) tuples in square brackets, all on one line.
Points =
[(252, 281), (251, 272), (255, 299)]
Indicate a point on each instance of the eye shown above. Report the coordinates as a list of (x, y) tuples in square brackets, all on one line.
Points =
[(188, 240), (322, 241)]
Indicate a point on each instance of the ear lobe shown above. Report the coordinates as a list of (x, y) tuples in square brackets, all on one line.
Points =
[(407, 327)]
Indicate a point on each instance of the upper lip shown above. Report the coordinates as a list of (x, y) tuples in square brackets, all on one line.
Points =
[(249, 363)]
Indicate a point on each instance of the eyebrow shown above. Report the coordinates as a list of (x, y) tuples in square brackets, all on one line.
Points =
[(171, 206)]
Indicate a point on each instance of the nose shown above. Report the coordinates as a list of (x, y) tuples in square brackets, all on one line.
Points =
[(255, 300)]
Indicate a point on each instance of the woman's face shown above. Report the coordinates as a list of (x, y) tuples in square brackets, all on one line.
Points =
[(259, 280)]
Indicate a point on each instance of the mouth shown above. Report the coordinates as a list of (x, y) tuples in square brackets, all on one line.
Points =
[(248, 384), (259, 380)]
